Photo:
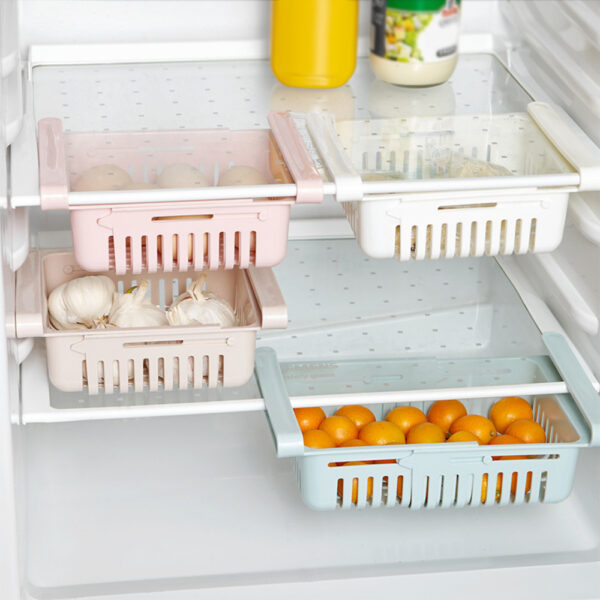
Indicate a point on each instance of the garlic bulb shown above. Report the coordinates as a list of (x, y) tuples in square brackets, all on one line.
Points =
[(135, 309), (447, 163), (196, 307), (82, 303), (471, 167)]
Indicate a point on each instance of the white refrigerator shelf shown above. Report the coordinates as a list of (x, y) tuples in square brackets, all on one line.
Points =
[(462, 316), (239, 95)]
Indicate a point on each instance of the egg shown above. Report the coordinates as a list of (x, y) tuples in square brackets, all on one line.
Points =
[(180, 175), (141, 185), (242, 175), (102, 178)]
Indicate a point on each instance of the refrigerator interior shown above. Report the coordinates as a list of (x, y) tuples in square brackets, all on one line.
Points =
[(159, 495)]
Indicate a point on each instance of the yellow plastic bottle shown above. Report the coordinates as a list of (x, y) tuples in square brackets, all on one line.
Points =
[(313, 42)]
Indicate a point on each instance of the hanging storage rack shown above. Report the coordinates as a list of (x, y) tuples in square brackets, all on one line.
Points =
[(442, 475), (178, 229), (462, 185)]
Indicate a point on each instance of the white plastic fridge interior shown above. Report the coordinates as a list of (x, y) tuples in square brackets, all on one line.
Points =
[(124, 497)]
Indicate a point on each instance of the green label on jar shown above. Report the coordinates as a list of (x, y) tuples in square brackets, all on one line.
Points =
[(415, 30)]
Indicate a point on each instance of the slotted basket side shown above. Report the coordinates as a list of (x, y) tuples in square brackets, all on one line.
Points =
[(442, 476), (432, 229), (150, 360), (195, 236)]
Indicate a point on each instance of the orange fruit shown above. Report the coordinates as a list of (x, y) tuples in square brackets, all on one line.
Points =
[(406, 417), (508, 410), (352, 443), (527, 431), (444, 412), (355, 442), (480, 426), (506, 439), (426, 433), (463, 436), (381, 433), (340, 429), (513, 483), (359, 415), (511, 439), (399, 486), (315, 438), (484, 487), (340, 488), (309, 418)]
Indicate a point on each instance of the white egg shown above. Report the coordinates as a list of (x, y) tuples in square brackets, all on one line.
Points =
[(242, 175), (180, 175), (141, 185), (102, 178)]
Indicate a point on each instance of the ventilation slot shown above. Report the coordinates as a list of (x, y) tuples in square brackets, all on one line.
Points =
[(111, 252), (474, 238), (221, 248), (128, 252), (205, 240), (355, 491), (236, 248), (444, 241), (221, 372), (144, 242), (518, 228), (458, 243), (253, 247), (429, 242), (413, 241), (532, 233), (503, 227), (488, 238)]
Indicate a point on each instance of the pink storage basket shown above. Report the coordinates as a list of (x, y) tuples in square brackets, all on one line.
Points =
[(178, 235), (118, 360)]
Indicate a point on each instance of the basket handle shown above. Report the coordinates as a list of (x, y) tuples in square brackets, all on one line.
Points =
[(348, 183), (578, 383), (280, 416), (54, 184), (570, 141), (309, 184), (29, 298), (270, 300)]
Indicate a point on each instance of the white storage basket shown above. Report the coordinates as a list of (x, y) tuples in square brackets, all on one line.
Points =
[(434, 475), (462, 185), (122, 359)]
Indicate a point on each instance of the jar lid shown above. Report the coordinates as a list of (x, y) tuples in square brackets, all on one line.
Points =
[(422, 5)]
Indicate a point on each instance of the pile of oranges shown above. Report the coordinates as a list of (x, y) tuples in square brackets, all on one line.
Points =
[(510, 422)]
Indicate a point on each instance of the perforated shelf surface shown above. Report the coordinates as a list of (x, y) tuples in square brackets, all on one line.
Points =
[(344, 306), (239, 94)]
